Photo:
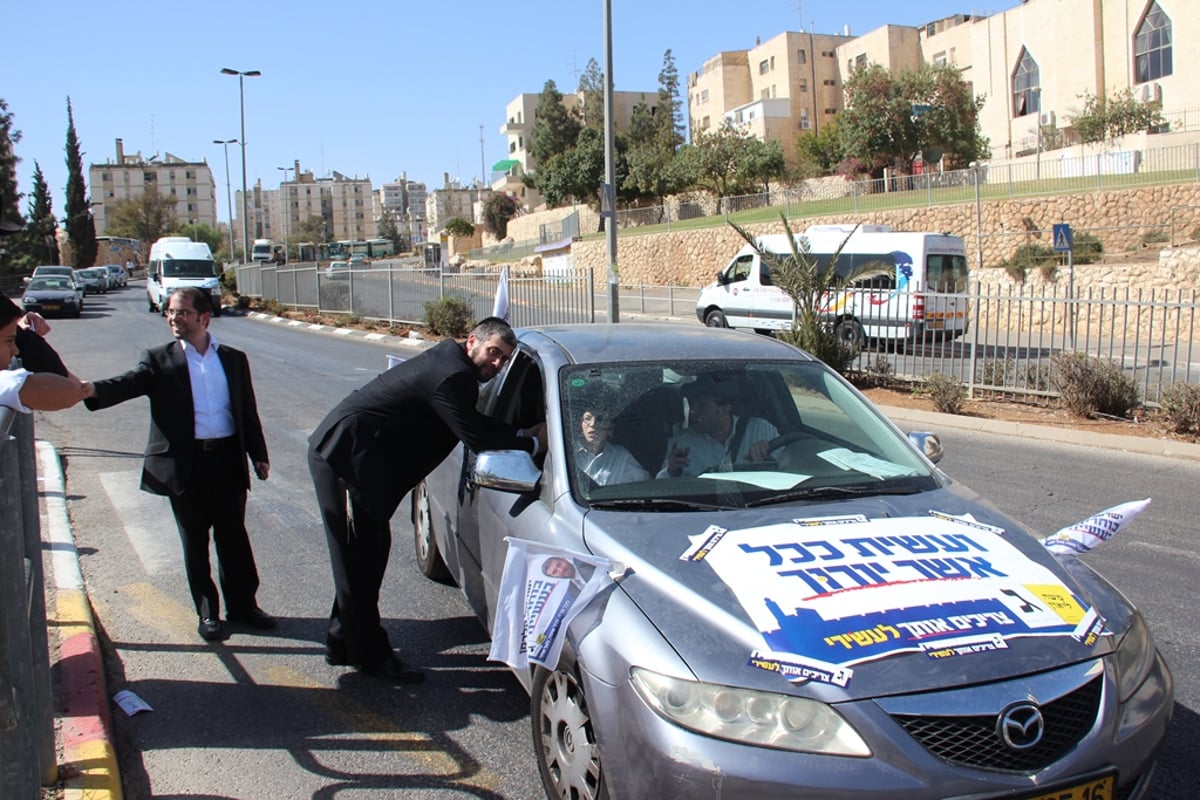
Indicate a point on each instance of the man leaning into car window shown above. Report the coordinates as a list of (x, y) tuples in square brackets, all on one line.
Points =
[(596, 456), (715, 438)]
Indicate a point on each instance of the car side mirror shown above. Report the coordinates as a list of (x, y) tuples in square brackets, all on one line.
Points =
[(506, 471), (722, 279), (928, 443)]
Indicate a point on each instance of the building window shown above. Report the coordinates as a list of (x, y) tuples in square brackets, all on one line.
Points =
[(764, 67), (1152, 47), (829, 82), (704, 95), (802, 56), (1026, 86), (705, 123), (765, 94), (831, 111), (106, 176), (860, 60), (804, 122), (939, 59), (931, 29), (804, 84), (828, 54)]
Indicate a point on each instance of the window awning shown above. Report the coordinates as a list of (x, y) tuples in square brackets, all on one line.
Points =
[(505, 165)]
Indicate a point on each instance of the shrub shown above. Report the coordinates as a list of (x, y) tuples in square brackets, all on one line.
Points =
[(1195, 234), (995, 372), (1154, 237), (946, 391), (1086, 249), (1181, 407), (272, 306), (457, 226), (229, 281), (1090, 386), (879, 373), (449, 316)]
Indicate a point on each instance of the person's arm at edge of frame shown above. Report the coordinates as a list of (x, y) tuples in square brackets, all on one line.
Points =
[(45, 391), (256, 442)]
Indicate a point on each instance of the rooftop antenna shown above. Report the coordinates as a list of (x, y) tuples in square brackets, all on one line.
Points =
[(482, 163)]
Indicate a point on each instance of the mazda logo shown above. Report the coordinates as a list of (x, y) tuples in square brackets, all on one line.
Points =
[(1021, 726)]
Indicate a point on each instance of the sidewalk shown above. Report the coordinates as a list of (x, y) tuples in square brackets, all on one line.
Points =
[(86, 752)]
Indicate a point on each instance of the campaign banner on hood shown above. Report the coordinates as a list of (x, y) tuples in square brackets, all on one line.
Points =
[(542, 589), (829, 593)]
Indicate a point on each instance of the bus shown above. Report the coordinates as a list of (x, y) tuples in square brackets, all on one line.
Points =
[(371, 248), (922, 294)]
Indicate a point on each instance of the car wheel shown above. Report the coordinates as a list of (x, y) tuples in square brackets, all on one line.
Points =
[(79, 311), (849, 332), (715, 319), (564, 741), (150, 302), (429, 560)]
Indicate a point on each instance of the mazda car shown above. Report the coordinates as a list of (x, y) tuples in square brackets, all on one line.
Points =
[(796, 602)]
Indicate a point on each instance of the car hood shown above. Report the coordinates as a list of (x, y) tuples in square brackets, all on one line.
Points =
[(50, 294), (926, 591)]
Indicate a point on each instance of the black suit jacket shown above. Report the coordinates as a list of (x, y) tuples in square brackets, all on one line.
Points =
[(162, 375), (384, 438)]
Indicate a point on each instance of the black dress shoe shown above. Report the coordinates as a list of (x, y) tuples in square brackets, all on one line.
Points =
[(211, 630), (254, 616), (337, 658), (393, 669)]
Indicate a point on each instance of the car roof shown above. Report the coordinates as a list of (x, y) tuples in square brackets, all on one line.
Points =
[(588, 343)]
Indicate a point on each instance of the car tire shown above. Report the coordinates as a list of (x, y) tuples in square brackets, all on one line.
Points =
[(716, 319), (429, 559), (849, 332), (151, 304), (564, 741)]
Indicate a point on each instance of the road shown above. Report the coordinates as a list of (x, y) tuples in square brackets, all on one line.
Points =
[(264, 716)]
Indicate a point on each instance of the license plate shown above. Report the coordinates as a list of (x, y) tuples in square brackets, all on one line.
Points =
[(1099, 789), (935, 324), (51, 306)]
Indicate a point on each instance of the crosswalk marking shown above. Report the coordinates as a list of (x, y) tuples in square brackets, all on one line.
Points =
[(147, 520)]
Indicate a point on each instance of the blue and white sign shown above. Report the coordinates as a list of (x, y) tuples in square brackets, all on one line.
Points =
[(830, 593), (1063, 239)]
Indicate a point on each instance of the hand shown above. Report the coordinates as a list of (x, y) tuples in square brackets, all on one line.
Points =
[(86, 389), (36, 323), (677, 460), (539, 432), (262, 469), (758, 451)]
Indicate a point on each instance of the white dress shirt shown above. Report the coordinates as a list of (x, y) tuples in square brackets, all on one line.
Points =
[(210, 392)]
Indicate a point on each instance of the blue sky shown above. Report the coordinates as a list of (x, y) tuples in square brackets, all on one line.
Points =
[(364, 87)]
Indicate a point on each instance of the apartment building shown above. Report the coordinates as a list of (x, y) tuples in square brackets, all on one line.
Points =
[(345, 204), (404, 201), (775, 91), (1032, 62), (520, 114), (454, 200), (130, 175)]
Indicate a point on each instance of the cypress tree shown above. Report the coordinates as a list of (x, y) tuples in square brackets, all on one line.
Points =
[(81, 228)]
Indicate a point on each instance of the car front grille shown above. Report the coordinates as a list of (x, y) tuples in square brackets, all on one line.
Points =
[(973, 741)]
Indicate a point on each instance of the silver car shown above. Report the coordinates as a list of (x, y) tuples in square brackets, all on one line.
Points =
[(802, 606)]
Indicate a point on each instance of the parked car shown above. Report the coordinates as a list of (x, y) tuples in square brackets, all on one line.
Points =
[(337, 270), (822, 614), (57, 270), (95, 280), (53, 296), (116, 275)]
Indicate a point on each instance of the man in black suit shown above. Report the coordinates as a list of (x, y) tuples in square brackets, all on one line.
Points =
[(203, 424), (372, 449)]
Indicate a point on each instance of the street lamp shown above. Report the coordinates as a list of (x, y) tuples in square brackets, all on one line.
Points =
[(228, 191), (286, 206), (241, 76)]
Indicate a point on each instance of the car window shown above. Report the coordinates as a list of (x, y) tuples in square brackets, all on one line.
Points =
[(753, 433)]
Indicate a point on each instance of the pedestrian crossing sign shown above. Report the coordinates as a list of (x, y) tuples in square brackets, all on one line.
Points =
[(1062, 238)]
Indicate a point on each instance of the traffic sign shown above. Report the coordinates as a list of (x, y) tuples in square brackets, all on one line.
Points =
[(1062, 238)]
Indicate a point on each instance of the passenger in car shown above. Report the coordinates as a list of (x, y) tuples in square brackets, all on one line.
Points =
[(715, 437), (595, 454)]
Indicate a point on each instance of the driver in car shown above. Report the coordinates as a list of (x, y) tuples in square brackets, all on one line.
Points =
[(715, 438)]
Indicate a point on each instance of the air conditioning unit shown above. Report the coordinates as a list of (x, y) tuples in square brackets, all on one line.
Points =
[(1047, 119), (1151, 93)]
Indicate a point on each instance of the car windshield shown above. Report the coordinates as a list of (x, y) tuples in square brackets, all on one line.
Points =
[(49, 284), (187, 268), (680, 435)]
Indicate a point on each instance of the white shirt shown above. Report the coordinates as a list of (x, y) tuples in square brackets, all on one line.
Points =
[(210, 392), (11, 381), (706, 453), (613, 464)]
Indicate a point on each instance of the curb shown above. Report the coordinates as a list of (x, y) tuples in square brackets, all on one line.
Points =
[(84, 732)]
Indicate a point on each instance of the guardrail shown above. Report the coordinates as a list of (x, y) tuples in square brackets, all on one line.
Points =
[(26, 710)]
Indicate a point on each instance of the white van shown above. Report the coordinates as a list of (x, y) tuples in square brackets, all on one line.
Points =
[(925, 295), (177, 261)]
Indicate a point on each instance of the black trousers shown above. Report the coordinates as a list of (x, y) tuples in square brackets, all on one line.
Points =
[(359, 546), (216, 500)]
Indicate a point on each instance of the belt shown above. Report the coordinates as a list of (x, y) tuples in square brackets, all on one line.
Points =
[(208, 445)]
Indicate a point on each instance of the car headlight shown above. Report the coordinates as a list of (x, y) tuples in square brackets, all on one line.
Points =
[(1135, 657), (749, 716)]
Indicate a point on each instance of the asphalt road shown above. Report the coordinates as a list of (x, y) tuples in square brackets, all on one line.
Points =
[(263, 716)]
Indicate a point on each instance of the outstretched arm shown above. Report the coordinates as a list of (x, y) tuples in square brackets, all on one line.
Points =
[(45, 391)]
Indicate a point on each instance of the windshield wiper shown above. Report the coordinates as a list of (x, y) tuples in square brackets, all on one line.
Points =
[(658, 504), (835, 492)]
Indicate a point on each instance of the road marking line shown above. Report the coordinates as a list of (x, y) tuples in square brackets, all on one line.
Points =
[(147, 520)]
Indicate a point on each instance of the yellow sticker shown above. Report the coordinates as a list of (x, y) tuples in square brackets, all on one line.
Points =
[(1059, 600)]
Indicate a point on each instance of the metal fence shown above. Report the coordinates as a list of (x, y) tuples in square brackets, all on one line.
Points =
[(1050, 173), (399, 296), (27, 755)]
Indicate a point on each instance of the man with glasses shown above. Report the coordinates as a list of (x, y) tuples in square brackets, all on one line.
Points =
[(203, 425), (373, 448)]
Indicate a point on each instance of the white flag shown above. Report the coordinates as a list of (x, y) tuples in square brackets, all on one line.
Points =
[(1086, 534), (542, 589), (500, 307)]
